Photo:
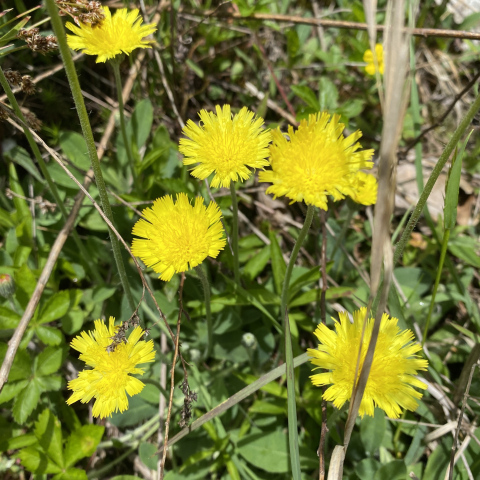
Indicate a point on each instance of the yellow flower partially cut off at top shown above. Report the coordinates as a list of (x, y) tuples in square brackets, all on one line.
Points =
[(364, 188), (109, 380), (226, 146), (368, 57), (120, 33), (178, 236), (392, 375), (316, 161)]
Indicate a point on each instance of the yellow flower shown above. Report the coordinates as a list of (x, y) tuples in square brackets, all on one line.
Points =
[(178, 236), (109, 379), (315, 161), (391, 380), (225, 145), (365, 188), (121, 33), (368, 57)]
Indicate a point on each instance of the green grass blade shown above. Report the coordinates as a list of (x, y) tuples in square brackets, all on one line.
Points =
[(291, 404)]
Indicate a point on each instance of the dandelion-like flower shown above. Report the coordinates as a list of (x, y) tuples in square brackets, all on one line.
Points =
[(364, 188), (120, 33), (368, 57), (391, 380), (225, 145), (178, 236), (110, 378), (316, 161)]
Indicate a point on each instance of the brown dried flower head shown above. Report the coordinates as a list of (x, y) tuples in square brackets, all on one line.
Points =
[(37, 42), (13, 77), (28, 86), (83, 11)]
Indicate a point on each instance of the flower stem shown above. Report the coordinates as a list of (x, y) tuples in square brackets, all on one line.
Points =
[(88, 135), (118, 81), (443, 252), (51, 185), (206, 292), (293, 258), (236, 265)]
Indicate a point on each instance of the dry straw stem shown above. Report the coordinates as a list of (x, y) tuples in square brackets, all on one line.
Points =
[(417, 32), (62, 237), (396, 57)]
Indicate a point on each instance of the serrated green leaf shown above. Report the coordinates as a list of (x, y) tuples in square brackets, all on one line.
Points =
[(25, 282), (8, 318), (72, 474), (22, 441), (307, 95), (49, 361), (5, 219), (11, 390), (25, 402), (56, 306), (48, 431), (49, 335), (82, 443), (49, 383), (37, 462)]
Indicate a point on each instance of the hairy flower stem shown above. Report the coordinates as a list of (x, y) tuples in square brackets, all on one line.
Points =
[(206, 291), (51, 185), (88, 135), (234, 235), (115, 63), (293, 258)]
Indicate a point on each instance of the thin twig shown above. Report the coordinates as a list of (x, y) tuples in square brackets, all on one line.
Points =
[(323, 316), (444, 116), (459, 424), (172, 376)]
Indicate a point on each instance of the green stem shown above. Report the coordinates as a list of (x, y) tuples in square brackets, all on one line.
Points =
[(236, 265), (51, 185), (457, 135), (88, 135), (206, 292), (293, 258), (118, 81), (443, 252)]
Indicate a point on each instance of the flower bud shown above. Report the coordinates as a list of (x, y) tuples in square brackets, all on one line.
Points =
[(249, 340), (7, 285)]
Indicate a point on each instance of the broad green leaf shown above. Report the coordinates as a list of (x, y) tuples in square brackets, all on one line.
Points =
[(75, 149), (147, 455), (100, 293), (126, 477), (49, 335), (366, 469), (5, 219), (25, 402), (307, 95), (72, 322), (314, 294), (71, 474), (8, 318), (49, 383), (195, 68), (273, 388), (21, 206), (26, 282), (465, 248), (328, 94), (48, 431), (395, 470), (56, 306), (278, 263), (21, 157), (21, 255), (268, 407), (22, 441), (12, 389), (37, 462), (49, 361), (257, 263), (372, 431), (82, 443)]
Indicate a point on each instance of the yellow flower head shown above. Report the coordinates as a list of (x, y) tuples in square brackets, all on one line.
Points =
[(121, 33), (368, 57), (109, 379), (315, 161), (178, 236), (225, 145), (391, 380), (364, 188)]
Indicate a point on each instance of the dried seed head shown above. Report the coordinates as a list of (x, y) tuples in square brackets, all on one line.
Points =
[(28, 86), (37, 42), (83, 12), (3, 112), (33, 122), (13, 77)]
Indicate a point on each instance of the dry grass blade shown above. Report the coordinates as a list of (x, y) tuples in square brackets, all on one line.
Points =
[(396, 57), (335, 471)]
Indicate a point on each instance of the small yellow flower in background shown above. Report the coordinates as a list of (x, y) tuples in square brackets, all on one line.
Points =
[(178, 236), (109, 379), (365, 188), (391, 380), (368, 57), (315, 162), (120, 33), (225, 146)]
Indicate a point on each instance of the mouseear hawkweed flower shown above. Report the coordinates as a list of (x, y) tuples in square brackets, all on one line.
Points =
[(368, 57), (315, 161), (392, 376), (364, 188), (121, 33), (109, 380), (225, 145), (176, 236)]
